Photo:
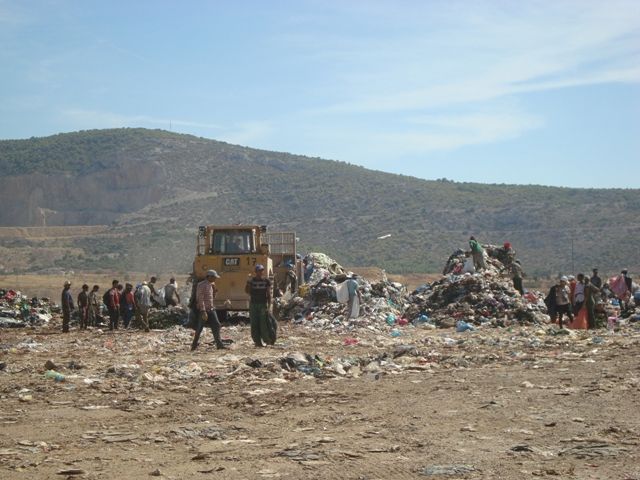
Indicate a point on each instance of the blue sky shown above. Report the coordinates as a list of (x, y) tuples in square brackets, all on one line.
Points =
[(542, 92)]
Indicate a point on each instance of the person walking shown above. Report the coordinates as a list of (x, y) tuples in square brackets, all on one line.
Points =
[(112, 301), (205, 294), (477, 252), (66, 301), (83, 306), (143, 304), (94, 306), (127, 305), (259, 289), (171, 295)]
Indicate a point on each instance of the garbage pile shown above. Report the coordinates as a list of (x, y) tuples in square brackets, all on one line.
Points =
[(476, 297), (461, 297), (168, 317), (316, 305), (18, 310), (479, 298)]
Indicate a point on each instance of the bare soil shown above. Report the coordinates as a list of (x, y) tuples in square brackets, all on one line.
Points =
[(502, 404)]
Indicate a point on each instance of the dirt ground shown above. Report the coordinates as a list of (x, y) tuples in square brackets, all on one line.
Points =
[(511, 403)]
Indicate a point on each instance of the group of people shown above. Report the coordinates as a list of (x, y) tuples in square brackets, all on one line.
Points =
[(122, 302), (577, 297)]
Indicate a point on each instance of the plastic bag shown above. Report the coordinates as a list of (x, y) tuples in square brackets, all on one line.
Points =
[(342, 292)]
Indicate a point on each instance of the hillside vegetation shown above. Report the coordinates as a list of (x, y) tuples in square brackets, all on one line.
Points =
[(153, 188)]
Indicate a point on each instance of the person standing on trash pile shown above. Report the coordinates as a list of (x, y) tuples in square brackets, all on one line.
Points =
[(112, 302), (563, 305), (66, 301), (506, 254), (143, 304), (154, 292), (517, 274), (171, 295), (127, 305), (595, 279), (259, 289), (308, 267), (205, 293), (591, 293), (355, 297), (94, 306), (290, 279), (477, 252), (83, 306)]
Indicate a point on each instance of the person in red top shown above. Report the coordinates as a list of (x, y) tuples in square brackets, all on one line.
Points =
[(113, 305), (127, 305)]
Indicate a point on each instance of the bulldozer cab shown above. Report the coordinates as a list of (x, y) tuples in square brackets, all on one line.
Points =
[(233, 251), (233, 241)]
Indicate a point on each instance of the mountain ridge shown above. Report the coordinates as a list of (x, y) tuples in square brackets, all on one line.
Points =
[(151, 185)]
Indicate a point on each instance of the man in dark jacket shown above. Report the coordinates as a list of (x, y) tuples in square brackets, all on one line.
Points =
[(624, 302), (259, 289), (66, 301), (595, 280)]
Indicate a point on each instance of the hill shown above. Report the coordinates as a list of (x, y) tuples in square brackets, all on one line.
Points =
[(153, 188)]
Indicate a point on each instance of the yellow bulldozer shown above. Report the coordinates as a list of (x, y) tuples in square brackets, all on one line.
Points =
[(234, 251)]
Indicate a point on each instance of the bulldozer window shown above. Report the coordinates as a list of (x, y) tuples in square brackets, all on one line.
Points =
[(233, 242)]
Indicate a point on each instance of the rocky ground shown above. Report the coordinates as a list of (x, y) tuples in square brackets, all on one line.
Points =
[(508, 403)]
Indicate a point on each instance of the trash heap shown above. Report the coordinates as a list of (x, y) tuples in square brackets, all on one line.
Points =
[(18, 310), (461, 297), (475, 297), (168, 317), (316, 305)]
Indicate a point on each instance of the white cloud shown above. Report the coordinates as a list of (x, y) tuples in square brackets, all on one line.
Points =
[(448, 132), (420, 134), (479, 52)]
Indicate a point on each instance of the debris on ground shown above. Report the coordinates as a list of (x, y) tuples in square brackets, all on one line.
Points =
[(18, 310)]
